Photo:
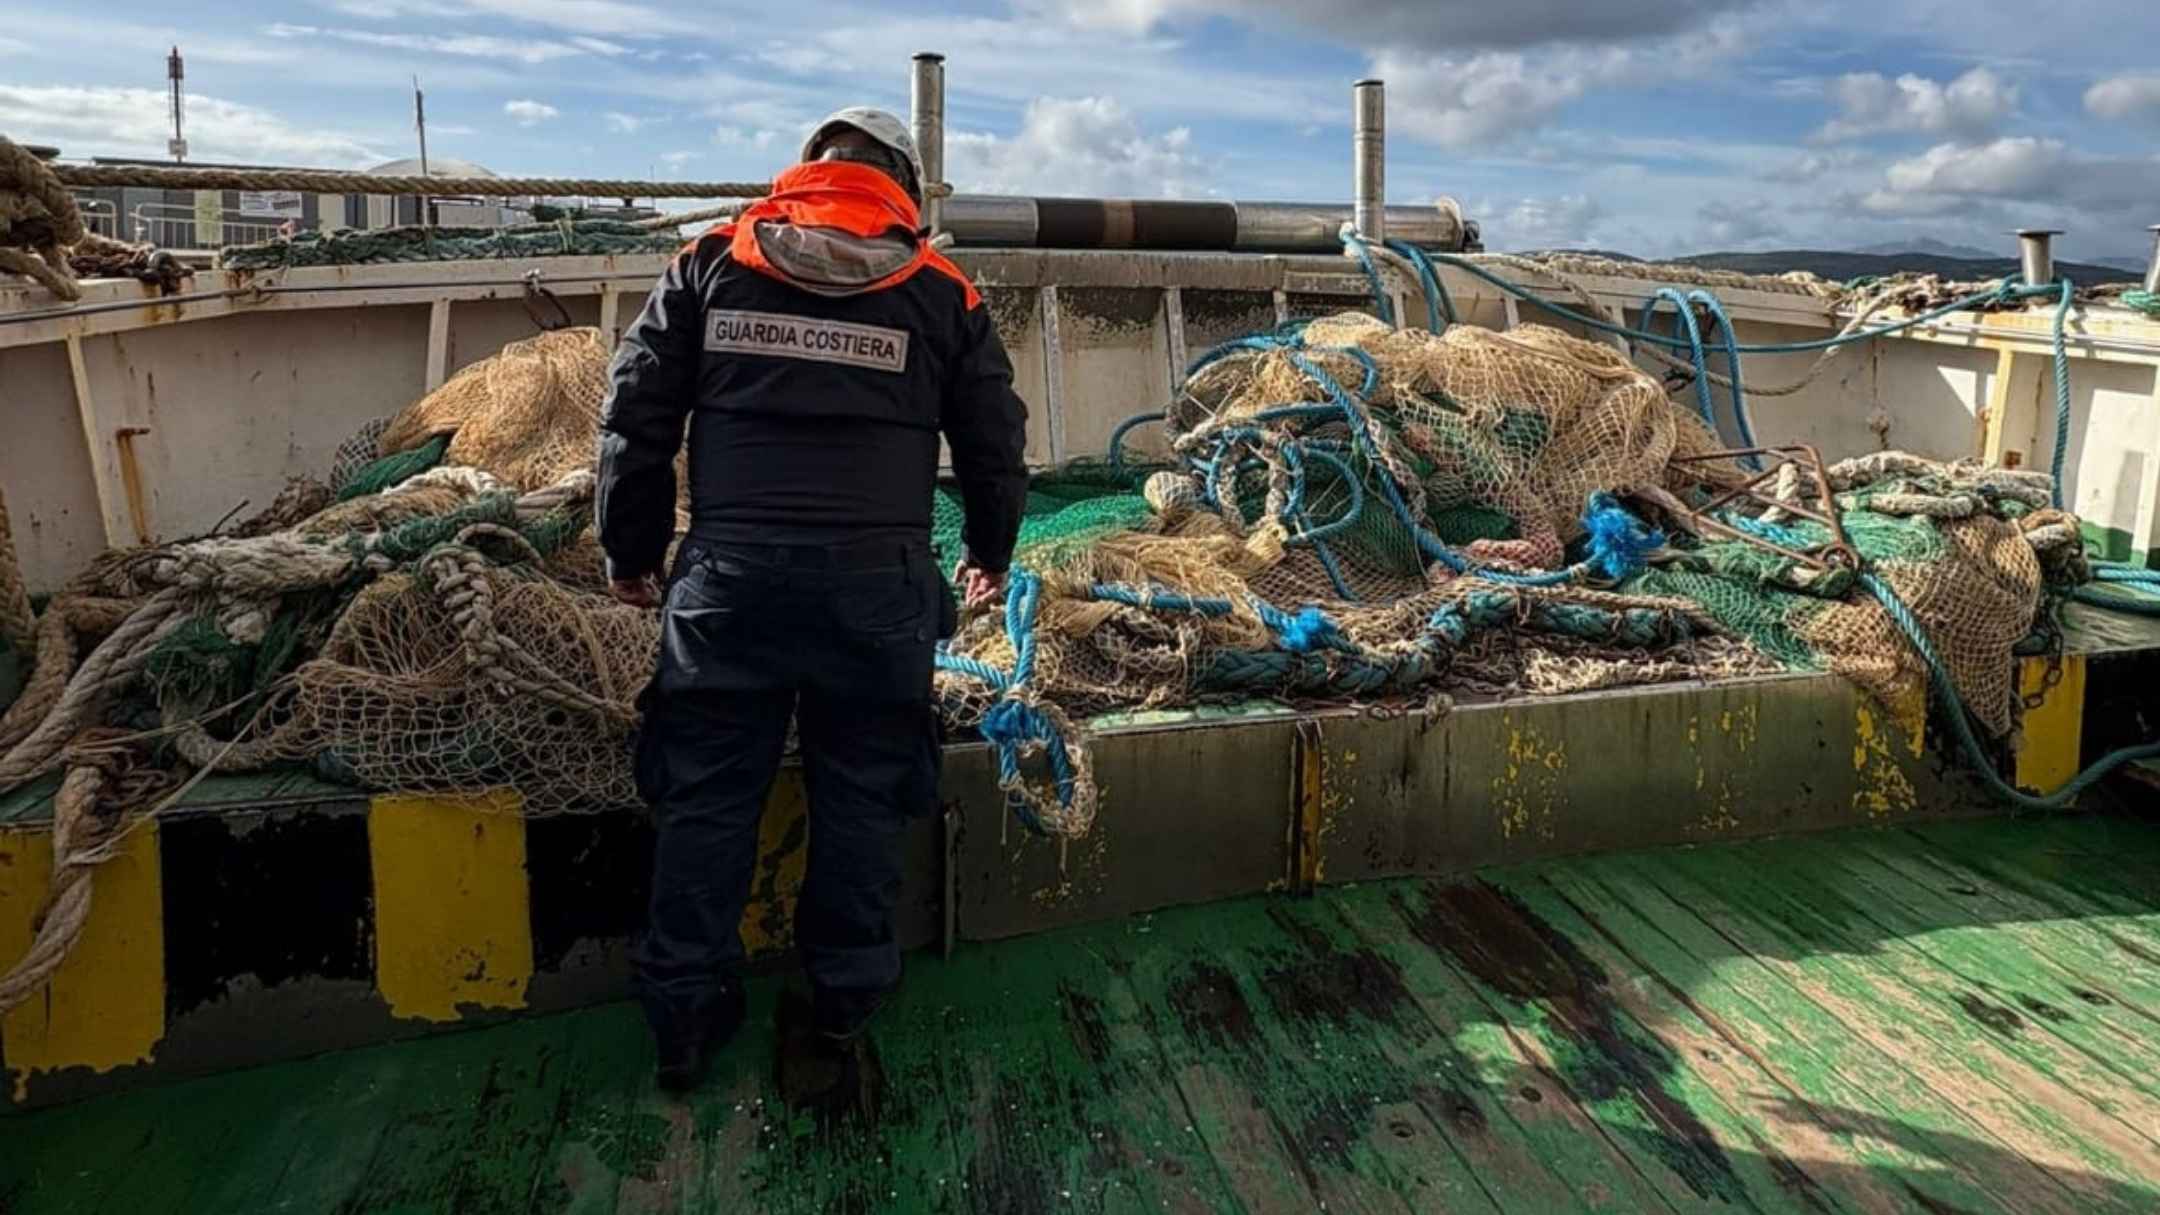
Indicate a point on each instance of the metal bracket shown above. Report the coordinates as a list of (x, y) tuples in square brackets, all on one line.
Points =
[(1838, 553), (537, 296)]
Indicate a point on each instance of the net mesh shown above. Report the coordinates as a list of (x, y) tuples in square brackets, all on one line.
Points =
[(1348, 513)]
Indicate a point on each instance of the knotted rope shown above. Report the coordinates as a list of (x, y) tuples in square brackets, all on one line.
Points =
[(38, 221), (1022, 724)]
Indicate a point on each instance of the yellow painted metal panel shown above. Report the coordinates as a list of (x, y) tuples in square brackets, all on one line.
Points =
[(768, 923), (105, 1006), (2049, 753), (453, 904)]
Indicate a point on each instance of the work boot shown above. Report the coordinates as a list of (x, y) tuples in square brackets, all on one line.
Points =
[(685, 1041), (820, 1069)]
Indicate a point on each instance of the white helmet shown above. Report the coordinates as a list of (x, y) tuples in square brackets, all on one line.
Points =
[(886, 129)]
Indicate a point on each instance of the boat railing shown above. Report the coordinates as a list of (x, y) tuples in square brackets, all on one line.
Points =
[(174, 226)]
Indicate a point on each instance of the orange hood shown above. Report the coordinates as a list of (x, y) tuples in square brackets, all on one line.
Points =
[(849, 197)]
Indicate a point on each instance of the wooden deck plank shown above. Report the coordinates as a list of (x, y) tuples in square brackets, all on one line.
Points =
[(1787, 1117), (312, 1109), (1560, 1008), (2061, 940), (1288, 1022), (1337, 979), (1899, 1001), (1058, 1096), (1761, 1027), (2101, 873), (1940, 1151), (2014, 979), (420, 1155), (1919, 1092), (1479, 1063), (1812, 1141)]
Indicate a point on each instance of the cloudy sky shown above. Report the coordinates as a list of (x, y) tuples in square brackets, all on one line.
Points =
[(1652, 128)]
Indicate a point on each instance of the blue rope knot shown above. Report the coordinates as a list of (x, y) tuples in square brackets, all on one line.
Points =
[(1305, 631), (1019, 721), (1620, 543)]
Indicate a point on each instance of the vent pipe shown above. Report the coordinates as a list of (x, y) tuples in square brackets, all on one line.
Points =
[(926, 105), (1369, 160), (2036, 254)]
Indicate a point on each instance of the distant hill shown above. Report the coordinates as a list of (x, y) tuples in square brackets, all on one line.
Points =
[(1929, 247), (1841, 267)]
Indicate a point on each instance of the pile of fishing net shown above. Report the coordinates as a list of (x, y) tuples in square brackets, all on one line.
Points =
[(1340, 513)]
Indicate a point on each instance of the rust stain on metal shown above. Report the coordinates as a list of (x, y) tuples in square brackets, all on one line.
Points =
[(131, 481)]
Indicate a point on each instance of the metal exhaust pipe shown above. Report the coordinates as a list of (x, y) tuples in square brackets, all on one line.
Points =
[(1368, 152), (2152, 270), (926, 106), (1014, 221), (2036, 254)]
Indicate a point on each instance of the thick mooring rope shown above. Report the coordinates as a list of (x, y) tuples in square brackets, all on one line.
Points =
[(18, 626), (38, 221)]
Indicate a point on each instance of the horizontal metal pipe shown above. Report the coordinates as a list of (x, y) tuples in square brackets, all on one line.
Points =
[(1118, 223)]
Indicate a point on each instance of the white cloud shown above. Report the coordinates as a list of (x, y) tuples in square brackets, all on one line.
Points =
[(676, 160), (527, 112), (1869, 103), (1431, 24), (1489, 97), (2054, 182), (1811, 167), (467, 46), (1464, 104), (604, 18), (9, 46), (1088, 146), (133, 122), (1730, 224), (2134, 97), (1540, 223), (758, 138), (623, 124)]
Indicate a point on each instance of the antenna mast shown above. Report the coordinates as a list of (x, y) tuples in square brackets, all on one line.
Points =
[(419, 109), (176, 72)]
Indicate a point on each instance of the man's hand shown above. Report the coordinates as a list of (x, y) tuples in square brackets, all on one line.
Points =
[(976, 587), (641, 592)]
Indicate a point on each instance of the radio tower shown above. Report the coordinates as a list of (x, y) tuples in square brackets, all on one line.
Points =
[(176, 73)]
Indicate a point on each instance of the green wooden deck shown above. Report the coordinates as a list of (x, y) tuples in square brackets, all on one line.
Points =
[(1959, 1018)]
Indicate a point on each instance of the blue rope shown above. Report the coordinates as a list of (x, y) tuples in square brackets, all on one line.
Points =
[(2062, 387), (1011, 722), (1381, 303), (1439, 305), (1939, 677), (2001, 292), (1731, 341), (1683, 306), (1117, 437)]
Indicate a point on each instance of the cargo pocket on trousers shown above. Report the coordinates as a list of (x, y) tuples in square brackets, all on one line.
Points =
[(701, 622), (924, 798)]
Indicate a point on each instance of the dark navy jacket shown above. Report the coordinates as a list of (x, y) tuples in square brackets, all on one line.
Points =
[(818, 352)]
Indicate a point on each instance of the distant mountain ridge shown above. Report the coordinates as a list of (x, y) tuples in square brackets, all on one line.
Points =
[(1885, 260), (1844, 267)]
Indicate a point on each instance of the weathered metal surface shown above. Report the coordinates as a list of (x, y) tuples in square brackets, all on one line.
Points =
[(1769, 1027), (1187, 815), (1489, 784)]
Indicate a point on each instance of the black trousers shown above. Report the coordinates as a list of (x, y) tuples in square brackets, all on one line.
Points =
[(842, 640)]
